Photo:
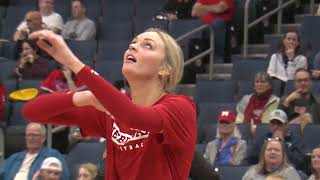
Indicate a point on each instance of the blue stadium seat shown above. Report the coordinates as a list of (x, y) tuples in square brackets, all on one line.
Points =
[(15, 14), (180, 27), (232, 172), (84, 50), (209, 111), (84, 152), (240, 69), (261, 131), (10, 85), (310, 34), (201, 148), (9, 50), (94, 9), (146, 9), (110, 70), (310, 137), (215, 91), (143, 25), (16, 119), (117, 31), (6, 69), (112, 50), (29, 84), (118, 11)]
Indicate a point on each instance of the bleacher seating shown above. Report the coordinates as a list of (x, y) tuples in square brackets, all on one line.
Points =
[(110, 70), (232, 172), (215, 91), (240, 69), (84, 152), (310, 134), (84, 50)]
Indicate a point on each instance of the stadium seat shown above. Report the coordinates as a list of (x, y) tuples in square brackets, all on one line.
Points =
[(10, 85), (84, 50), (94, 9), (116, 31), (118, 11), (110, 70), (9, 50), (16, 119), (15, 139), (208, 111), (29, 84), (113, 51), (84, 152), (215, 91), (146, 9), (240, 69), (232, 172), (6, 69), (143, 25), (261, 131), (310, 137), (180, 27), (15, 14)]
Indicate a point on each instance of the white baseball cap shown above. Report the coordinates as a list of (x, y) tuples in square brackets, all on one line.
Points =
[(51, 163), (279, 115)]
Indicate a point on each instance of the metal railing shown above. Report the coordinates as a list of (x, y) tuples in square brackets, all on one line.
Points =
[(248, 25), (209, 51)]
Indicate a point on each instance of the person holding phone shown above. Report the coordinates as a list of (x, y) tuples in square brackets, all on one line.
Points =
[(302, 106)]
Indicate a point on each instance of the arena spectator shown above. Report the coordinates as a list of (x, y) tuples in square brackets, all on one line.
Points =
[(80, 28), (302, 106), (61, 80), (51, 19), (24, 164), (217, 13), (315, 164), (31, 65), (228, 148), (33, 21), (255, 108), (278, 128), (87, 171), (51, 169), (288, 59), (273, 161)]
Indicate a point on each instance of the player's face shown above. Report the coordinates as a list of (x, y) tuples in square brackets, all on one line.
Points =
[(144, 58)]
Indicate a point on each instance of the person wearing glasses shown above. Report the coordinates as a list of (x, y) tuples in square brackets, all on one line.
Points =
[(26, 163), (228, 148), (278, 128), (273, 161), (302, 106)]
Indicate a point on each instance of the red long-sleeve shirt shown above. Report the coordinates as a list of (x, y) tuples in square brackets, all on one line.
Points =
[(135, 147)]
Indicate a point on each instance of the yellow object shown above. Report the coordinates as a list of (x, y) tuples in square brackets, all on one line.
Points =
[(24, 94)]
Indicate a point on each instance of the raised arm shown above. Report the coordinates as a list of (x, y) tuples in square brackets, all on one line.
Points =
[(153, 118)]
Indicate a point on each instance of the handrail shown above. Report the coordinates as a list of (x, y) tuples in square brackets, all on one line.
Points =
[(209, 51), (248, 25)]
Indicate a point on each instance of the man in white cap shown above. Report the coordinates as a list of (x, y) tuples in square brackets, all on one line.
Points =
[(278, 129), (51, 169)]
